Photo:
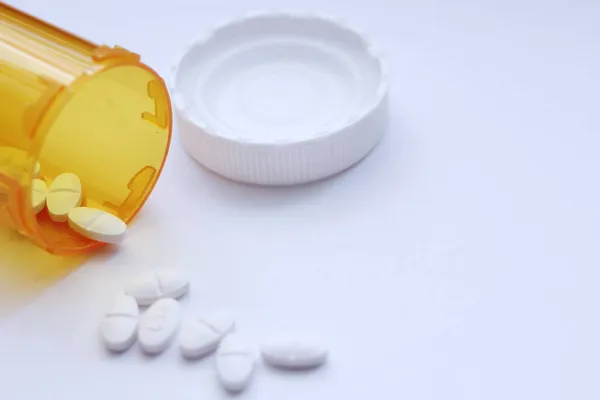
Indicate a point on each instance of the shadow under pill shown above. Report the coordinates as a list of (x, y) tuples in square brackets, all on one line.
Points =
[(288, 371), (197, 362), (111, 355), (148, 356)]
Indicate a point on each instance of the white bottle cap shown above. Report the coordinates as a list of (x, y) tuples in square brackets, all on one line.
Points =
[(280, 99)]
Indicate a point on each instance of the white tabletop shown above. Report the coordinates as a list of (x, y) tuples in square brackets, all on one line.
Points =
[(459, 261)]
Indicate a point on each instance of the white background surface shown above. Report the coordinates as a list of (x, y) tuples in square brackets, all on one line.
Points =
[(459, 261)]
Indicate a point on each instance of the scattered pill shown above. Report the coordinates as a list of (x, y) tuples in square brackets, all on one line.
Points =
[(235, 363), (119, 326), (39, 191), (97, 225), (154, 285), (64, 194), (201, 336), (294, 352), (158, 326)]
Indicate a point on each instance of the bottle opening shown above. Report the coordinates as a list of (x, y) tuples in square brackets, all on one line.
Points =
[(112, 129)]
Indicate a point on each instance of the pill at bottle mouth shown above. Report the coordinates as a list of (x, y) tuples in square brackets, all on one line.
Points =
[(159, 325), (97, 225), (64, 194), (154, 285), (235, 363), (201, 336), (294, 352), (39, 191), (118, 328)]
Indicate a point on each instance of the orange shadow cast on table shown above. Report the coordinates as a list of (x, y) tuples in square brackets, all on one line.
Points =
[(26, 270)]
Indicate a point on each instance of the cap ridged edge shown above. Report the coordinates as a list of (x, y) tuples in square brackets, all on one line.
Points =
[(284, 162)]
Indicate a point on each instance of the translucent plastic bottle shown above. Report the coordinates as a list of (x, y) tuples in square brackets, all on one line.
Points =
[(75, 107)]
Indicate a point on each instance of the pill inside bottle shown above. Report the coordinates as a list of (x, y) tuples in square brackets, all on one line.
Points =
[(90, 110)]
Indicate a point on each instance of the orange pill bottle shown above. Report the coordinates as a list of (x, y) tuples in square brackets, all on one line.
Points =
[(74, 106)]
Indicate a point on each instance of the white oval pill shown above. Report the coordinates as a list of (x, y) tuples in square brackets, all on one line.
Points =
[(201, 336), (235, 363), (158, 325), (294, 352), (119, 326), (39, 191), (97, 225), (154, 285), (64, 194)]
